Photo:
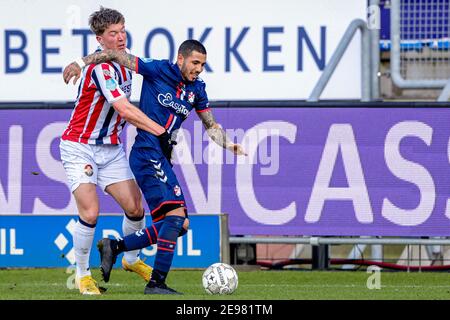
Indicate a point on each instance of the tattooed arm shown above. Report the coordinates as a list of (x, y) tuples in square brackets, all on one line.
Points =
[(217, 134), (121, 57)]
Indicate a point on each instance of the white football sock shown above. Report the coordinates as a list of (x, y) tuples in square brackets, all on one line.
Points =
[(129, 227), (82, 243)]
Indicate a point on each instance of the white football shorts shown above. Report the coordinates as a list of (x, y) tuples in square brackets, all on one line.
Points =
[(101, 165)]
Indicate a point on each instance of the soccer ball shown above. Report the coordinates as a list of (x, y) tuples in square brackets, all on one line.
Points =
[(220, 278)]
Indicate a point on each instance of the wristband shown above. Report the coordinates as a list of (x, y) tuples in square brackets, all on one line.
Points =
[(80, 63)]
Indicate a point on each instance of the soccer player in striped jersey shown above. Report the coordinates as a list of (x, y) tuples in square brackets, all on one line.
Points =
[(92, 153), (170, 91)]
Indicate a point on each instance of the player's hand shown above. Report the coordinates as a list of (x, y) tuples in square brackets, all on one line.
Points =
[(72, 70), (166, 143), (237, 149)]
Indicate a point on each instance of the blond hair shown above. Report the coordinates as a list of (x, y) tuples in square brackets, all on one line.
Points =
[(100, 20)]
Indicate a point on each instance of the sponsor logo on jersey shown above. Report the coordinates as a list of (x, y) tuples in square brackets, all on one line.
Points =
[(126, 88), (166, 100), (111, 84)]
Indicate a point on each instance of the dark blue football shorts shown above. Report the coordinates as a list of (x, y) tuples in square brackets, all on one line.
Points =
[(157, 181)]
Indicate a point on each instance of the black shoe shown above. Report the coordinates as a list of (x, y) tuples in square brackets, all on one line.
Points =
[(107, 256), (159, 288)]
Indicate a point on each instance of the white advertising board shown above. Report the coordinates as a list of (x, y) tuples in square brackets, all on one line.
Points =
[(257, 49)]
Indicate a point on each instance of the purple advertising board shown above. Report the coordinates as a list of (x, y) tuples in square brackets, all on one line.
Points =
[(309, 171)]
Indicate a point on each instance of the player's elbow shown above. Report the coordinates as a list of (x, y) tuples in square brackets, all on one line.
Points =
[(123, 109), (125, 113), (214, 126)]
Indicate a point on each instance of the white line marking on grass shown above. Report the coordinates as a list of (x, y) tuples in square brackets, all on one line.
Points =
[(341, 286)]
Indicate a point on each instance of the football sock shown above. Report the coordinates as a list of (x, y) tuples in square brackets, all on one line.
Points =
[(140, 239), (143, 238), (167, 240), (129, 226), (82, 242)]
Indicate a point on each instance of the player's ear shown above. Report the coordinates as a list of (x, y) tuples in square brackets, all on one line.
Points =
[(100, 40), (180, 59)]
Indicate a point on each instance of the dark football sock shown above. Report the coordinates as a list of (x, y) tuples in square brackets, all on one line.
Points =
[(167, 240), (142, 238)]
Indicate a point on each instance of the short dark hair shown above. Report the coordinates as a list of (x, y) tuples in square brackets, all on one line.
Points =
[(188, 46), (100, 20)]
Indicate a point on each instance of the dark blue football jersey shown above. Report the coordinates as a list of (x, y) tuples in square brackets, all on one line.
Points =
[(166, 98)]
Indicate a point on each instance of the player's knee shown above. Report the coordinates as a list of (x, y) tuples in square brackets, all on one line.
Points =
[(185, 227), (135, 211), (133, 207), (186, 224), (89, 217)]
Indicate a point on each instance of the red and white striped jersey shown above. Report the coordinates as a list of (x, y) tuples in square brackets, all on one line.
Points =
[(93, 119)]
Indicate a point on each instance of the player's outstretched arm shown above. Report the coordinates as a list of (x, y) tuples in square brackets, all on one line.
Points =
[(136, 117), (73, 70), (218, 135)]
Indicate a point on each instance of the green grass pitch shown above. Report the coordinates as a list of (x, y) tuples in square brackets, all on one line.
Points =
[(50, 284)]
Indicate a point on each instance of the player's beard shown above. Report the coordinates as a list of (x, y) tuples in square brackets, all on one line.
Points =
[(186, 73)]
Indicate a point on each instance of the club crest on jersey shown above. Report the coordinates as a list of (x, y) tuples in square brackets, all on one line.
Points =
[(191, 97), (88, 170), (166, 100), (111, 84), (177, 190)]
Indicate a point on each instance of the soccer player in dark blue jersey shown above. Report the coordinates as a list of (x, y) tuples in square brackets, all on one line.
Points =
[(169, 92)]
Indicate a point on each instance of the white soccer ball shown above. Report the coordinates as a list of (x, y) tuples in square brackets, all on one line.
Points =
[(220, 278)]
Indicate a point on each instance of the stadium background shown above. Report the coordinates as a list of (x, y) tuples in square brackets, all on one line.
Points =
[(338, 167)]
